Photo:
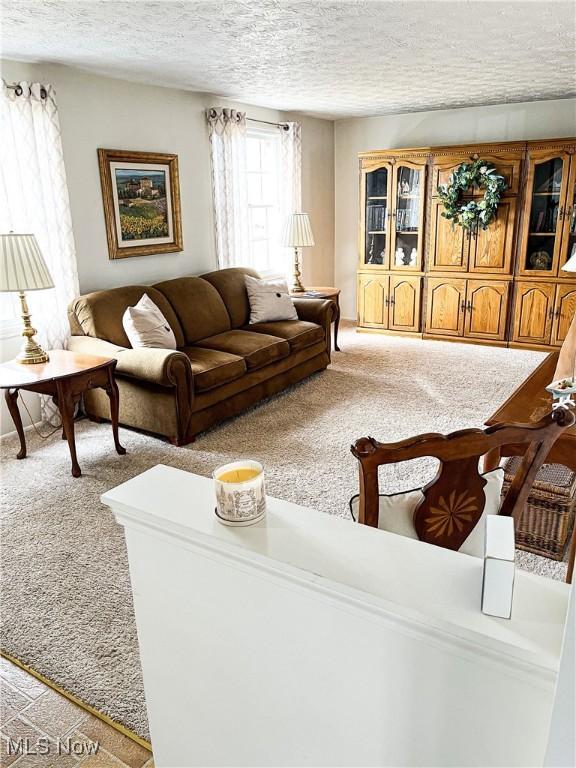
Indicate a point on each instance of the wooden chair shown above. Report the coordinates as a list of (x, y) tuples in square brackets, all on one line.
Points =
[(453, 501)]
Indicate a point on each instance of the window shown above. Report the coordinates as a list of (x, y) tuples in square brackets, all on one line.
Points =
[(264, 224)]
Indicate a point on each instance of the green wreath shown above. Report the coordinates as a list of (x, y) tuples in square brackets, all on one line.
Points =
[(474, 213)]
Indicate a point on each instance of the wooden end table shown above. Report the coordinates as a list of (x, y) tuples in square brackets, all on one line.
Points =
[(530, 403), (65, 377), (324, 293)]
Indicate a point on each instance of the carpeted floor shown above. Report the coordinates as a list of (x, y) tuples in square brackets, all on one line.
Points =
[(67, 608)]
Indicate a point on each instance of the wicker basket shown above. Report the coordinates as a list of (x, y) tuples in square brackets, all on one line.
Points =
[(546, 522)]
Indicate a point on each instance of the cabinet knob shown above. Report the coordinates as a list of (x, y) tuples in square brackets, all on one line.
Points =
[(463, 306), (561, 213), (469, 306)]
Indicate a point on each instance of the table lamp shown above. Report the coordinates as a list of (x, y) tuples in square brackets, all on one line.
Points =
[(22, 268), (297, 234), (570, 265)]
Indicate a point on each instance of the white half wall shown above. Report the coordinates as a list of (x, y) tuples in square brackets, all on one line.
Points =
[(99, 111), (506, 122)]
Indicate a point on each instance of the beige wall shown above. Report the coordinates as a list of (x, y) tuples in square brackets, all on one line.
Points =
[(508, 122), (98, 111)]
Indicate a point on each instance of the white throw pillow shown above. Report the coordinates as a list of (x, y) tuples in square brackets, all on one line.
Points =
[(269, 301), (396, 512), (146, 326)]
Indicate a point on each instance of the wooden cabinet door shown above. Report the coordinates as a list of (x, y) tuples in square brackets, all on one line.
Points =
[(407, 220), (568, 215), (507, 164), (449, 244), (543, 213), (564, 311), (375, 215), (446, 303), (491, 249), (533, 312), (373, 301), (486, 309), (404, 303)]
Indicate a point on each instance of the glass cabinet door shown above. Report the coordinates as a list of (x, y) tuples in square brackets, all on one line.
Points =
[(377, 217), (568, 215), (547, 180), (406, 245)]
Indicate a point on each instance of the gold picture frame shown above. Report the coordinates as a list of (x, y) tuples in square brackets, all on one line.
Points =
[(141, 196)]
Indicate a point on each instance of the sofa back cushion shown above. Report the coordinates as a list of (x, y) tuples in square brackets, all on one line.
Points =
[(231, 286), (199, 307), (99, 314)]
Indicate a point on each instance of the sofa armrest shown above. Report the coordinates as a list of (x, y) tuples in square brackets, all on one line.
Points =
[(165, 367), (319, 311)]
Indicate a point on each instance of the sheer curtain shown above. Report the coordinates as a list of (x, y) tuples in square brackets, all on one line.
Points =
[(290, 191), (227, 131), (291, 156), (34, 198), (228, 138)]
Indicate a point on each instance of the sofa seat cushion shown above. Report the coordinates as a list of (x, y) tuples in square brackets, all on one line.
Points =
[(298, 333), (257, 349), (212, 368)]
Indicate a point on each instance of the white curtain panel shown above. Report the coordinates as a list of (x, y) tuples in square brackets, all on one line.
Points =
[(227, 131), (291, 190), (34, 199), (290, 193)]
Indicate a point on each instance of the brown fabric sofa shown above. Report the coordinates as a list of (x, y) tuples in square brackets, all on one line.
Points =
[(222, 365)]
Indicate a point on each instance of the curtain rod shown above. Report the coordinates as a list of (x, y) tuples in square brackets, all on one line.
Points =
[(19, 90), (284, 126)]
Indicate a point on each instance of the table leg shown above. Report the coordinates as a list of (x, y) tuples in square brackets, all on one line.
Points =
[(112, 392), (11, 396), (571, 557), (492, 460), (336, 325), (66, 404)]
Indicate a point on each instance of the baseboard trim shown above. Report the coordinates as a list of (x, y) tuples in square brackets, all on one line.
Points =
[(27, 428), (79, 703)]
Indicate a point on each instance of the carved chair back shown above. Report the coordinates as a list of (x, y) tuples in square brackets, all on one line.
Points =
[(454, 500)]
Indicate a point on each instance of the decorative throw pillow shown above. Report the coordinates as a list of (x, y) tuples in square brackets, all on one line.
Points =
[(396, 512), (146, 326), (269, 301)]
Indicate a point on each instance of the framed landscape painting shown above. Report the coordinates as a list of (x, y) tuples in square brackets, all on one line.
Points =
[(141, 202)]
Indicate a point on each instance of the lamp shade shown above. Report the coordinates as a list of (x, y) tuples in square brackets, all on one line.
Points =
[(570, 265), (22, 266), (297, 231)]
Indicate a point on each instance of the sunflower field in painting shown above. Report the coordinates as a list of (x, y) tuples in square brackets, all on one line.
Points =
[(142, 204)]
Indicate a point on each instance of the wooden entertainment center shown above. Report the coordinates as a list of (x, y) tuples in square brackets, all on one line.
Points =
[(420, 275)]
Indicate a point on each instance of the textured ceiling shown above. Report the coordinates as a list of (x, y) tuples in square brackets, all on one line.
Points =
[(334, 59)]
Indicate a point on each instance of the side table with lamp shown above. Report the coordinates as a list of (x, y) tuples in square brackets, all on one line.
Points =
[(298, 234), (60, 374)]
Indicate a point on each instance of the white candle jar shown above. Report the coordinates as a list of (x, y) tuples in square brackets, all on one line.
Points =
[(240, 493)]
